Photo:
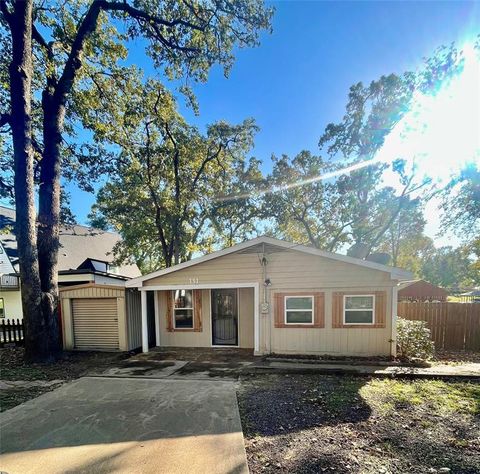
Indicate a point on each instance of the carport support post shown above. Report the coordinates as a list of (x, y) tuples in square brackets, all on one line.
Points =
[(144, 321)]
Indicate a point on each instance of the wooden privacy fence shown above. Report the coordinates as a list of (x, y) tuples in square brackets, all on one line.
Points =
[(454, 326), (11, 331)]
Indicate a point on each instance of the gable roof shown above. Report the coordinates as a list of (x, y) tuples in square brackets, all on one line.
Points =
[(420, 288), (77, 243), (407, 283), (5, 263), (271, 245)]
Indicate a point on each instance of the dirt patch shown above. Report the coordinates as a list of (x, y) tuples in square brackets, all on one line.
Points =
[(456, 357), (145, 367), (334, 358), (215, 369), (320, 423), (147, 364), (200, 354), (12, 397), (70, 366)]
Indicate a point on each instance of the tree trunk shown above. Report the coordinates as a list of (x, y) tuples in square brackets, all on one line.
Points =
[(49, 216), (21, 70)]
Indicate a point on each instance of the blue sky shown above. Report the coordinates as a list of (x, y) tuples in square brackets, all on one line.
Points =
[(297, 80)]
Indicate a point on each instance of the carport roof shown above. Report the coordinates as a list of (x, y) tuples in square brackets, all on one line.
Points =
[(264, 244)]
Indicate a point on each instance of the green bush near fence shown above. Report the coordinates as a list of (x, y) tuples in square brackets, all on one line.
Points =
[(413, 340)]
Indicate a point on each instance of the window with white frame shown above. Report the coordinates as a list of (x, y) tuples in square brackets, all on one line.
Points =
[(359, 309), (298, 309), (183, 309)]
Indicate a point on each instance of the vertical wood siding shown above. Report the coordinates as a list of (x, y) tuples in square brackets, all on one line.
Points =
[(134, 318), (453, 326)]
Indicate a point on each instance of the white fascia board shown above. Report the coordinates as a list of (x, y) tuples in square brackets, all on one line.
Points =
[(395, 273)]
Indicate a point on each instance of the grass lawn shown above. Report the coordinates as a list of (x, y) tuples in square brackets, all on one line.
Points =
[(318, 423)]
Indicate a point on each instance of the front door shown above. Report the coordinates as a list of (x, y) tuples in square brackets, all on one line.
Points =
[(224, 317)]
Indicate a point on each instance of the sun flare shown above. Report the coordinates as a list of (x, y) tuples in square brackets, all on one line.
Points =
[(440, 135)]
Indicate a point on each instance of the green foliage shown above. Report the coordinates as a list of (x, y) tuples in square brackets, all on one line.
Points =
[(449, 267), (404, 240), (163, 196), (461, 203), (371, 113), (413, 340), (306, 210), (355, 207), (437, 396), (235, 214), (184, 40)]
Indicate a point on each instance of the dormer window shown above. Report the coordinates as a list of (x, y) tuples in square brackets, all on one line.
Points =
[(112, 269)]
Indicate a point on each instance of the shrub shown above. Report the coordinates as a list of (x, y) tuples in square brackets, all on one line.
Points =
[(413, 340)]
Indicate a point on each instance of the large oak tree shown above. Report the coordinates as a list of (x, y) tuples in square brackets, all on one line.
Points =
[(162, 198), (58, 48)]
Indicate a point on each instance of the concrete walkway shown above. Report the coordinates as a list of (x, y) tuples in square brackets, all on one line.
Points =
[(152, 365), (461, 371), (126, 425)]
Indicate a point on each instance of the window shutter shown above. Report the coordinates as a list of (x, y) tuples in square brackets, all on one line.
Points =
[(337, 309), (380, 308), (279, 304), (319, 316), (169, 312), (197, 310)]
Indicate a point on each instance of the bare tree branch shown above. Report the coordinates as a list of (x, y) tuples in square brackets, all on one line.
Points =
[(6, 14), (4, 119)]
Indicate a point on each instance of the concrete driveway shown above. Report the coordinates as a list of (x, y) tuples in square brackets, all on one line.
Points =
[(126, 425)]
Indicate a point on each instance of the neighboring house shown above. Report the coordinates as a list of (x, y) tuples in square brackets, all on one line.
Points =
[(9, 287), (85, 257), (472, 296), (272, 296), (420, 290)]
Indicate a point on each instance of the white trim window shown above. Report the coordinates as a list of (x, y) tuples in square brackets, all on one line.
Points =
[(299, 310), (359, 309), (183, 309)]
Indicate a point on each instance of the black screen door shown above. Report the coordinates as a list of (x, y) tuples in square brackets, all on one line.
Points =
[(224, 317)]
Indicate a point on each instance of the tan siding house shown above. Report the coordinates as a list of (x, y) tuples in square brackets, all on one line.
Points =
[(273, 296)]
